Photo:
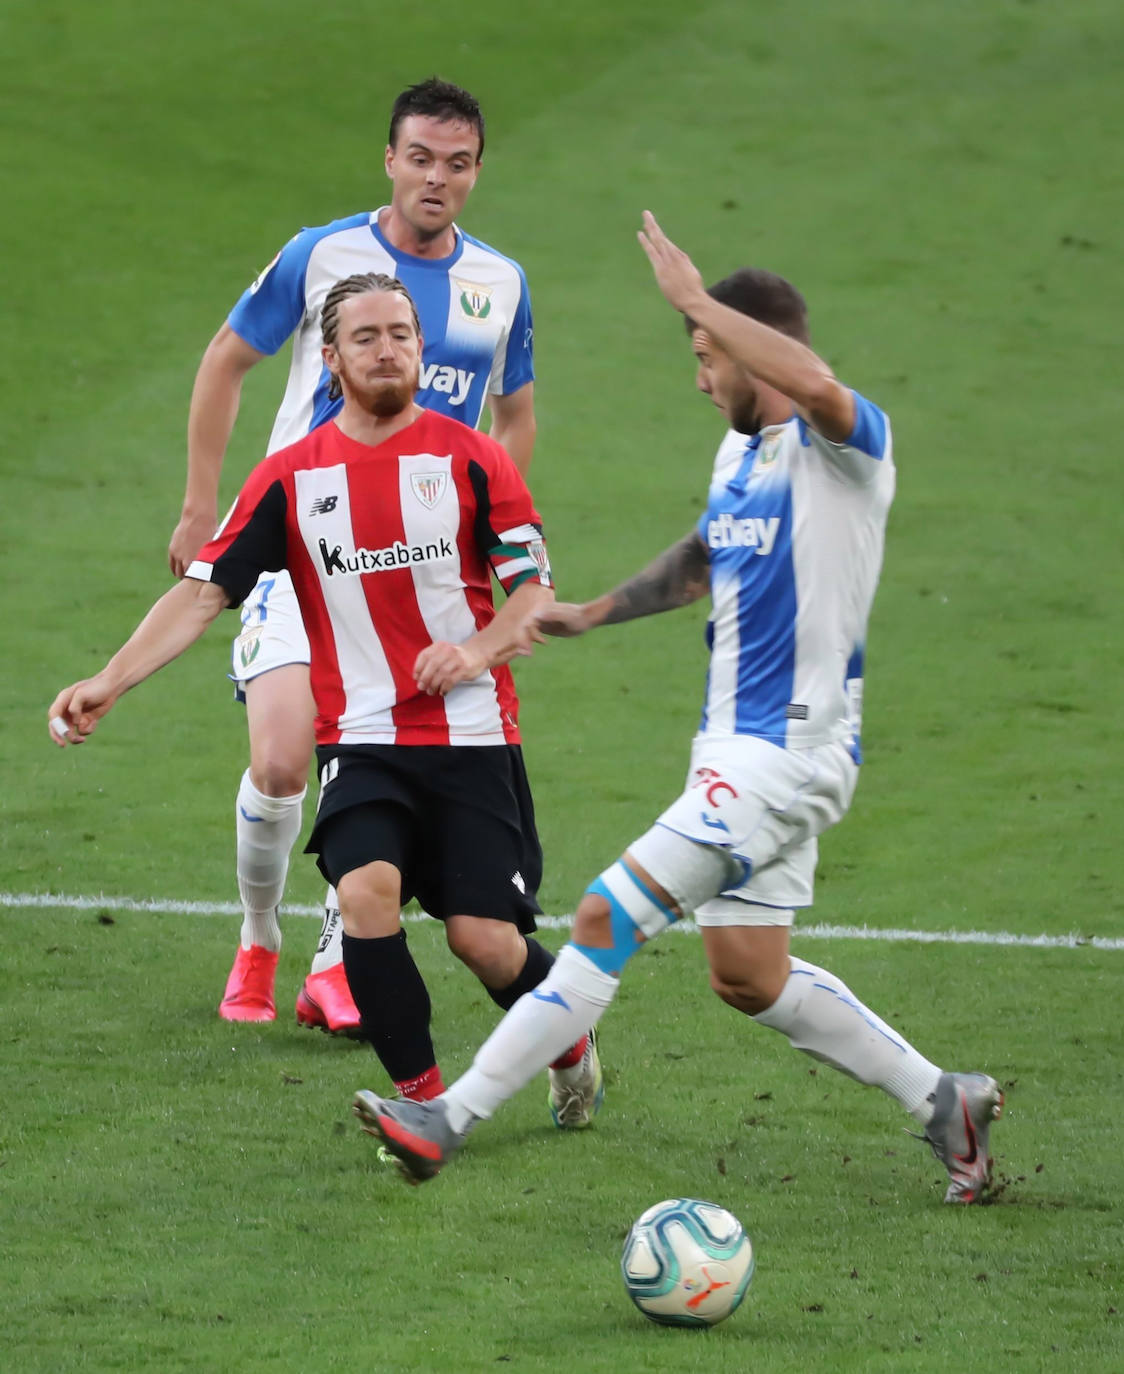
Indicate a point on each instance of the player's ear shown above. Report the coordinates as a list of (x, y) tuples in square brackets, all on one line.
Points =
[(331, 359), (388, 160)]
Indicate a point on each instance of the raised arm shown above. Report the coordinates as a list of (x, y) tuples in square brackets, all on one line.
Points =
[(778, 360), (680, 575), (210, 422), (174, 623)]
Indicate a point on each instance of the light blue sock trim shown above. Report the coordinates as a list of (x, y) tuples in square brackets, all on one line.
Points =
[(607, 960), (624, 931)]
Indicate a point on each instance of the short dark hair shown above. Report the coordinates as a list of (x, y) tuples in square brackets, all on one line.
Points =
[(359, 285), (439, 100), (762, 296)]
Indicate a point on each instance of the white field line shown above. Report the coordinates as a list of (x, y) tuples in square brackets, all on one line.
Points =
[(59, 900)]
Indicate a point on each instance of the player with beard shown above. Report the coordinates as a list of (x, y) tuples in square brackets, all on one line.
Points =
[(790, 549), (392, 520)]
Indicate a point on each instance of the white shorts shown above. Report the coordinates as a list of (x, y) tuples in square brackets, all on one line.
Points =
[(762, 807), (272, 633)]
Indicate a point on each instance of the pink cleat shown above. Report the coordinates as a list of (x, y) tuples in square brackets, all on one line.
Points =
[(249, 989), (325, 1003)]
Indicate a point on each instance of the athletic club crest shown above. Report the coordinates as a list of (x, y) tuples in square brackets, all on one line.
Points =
[(537, 549), (429, 487), (475, 301)]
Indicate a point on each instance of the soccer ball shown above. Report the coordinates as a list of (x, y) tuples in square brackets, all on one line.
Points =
[(687, 1263)]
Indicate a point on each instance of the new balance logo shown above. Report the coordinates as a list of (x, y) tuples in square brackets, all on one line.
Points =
[(323, 505)]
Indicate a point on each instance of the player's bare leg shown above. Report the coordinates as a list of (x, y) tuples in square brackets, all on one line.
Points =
[(752, 971), (268, 815), (280, 714)]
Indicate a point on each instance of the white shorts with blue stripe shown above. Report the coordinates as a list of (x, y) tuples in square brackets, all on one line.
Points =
[(761, 807), (272, 634)]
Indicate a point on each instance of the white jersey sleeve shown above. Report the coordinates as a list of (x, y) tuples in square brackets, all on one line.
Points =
[(858, 457), (273, 306)]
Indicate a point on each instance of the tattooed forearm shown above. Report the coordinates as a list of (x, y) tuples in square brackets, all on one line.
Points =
[(677, 577)]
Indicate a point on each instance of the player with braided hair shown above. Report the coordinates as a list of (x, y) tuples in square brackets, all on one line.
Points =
[(392, 521), (357, 285), (475, 317)]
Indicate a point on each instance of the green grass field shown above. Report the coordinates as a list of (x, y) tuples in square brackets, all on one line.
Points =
[(941, 181)]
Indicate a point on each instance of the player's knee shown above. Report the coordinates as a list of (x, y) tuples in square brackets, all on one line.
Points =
[(493, 950), (370, 900), (280, 775), (593, 921), (749, 990)]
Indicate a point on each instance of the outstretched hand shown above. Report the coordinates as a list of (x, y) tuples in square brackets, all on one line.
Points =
[(76, 710), (676, 275), (189, 536)]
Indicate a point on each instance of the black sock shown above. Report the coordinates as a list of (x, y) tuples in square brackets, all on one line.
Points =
[(393, 1003), (539, 963)]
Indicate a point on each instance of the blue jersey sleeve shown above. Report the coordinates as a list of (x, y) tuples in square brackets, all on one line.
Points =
[(519, 365), (270, 310), (869, 433)]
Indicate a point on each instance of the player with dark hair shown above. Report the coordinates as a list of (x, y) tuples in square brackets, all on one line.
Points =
[(392, 520), (440, 100), (764, 297), (475, 316), (790, 548)]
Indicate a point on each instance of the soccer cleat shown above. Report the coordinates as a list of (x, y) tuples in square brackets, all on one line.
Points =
[(417, 1134), (964, 1106), (325, 1003), (576, 1094), (249, 989)]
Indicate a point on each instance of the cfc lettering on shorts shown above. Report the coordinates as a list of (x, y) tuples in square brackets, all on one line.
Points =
[(447, 381), (715, 784), (396, 555), (754, 532)]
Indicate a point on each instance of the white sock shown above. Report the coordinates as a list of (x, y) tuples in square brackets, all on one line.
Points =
[(821, 1016), (538, 1028), (267, 828), (329, 949)]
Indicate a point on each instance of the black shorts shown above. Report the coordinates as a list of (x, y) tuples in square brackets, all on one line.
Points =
[(456, 821)]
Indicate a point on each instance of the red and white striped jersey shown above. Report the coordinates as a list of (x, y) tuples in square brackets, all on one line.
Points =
[(390, 547)]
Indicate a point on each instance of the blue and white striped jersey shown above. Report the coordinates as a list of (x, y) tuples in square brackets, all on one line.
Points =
[(474, 308), (794, 529)]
